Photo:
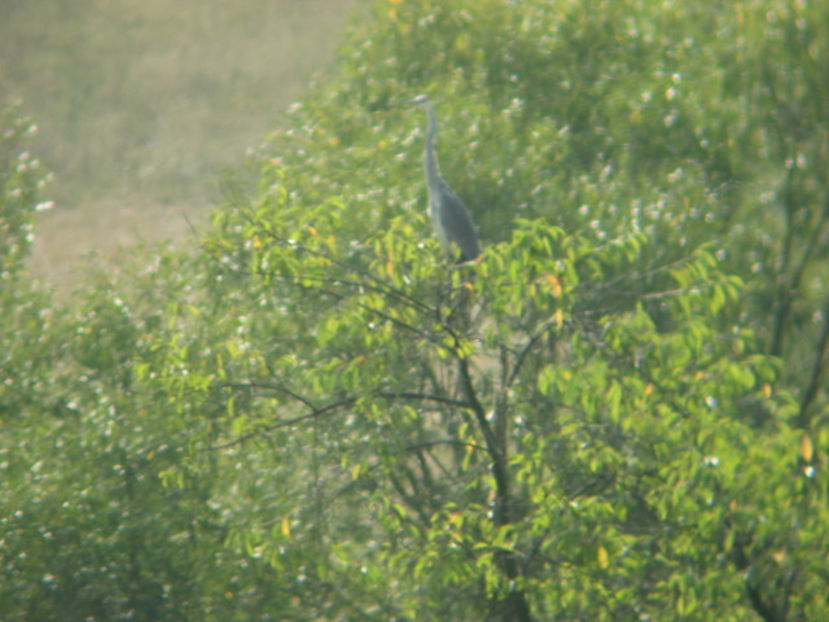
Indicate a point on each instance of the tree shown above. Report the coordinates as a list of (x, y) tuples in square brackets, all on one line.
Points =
[(88, 531), (592, 422), (560, 430), (584, 425)]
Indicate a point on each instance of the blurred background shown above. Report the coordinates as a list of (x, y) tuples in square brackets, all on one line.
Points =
[(141, 104)]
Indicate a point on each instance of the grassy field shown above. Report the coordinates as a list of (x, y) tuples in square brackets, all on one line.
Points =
[(140, 105)]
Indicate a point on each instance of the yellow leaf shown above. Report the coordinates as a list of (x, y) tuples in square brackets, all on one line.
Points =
[(601, 554), (559, 315), (767, 390), (648, 389), (779, 556), (257, 243), (286, 528), (806, 448), (312, 230), (555, 284)]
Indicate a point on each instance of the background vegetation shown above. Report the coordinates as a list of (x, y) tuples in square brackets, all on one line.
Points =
[(618, 413), (141, 105)]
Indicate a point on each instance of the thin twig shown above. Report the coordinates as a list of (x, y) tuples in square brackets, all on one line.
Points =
[(284, 423)]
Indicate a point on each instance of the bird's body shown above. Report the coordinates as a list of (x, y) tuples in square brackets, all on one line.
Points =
[(452, 222)]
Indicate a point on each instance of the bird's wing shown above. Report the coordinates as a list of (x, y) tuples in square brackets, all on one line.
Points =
[(457, 223)]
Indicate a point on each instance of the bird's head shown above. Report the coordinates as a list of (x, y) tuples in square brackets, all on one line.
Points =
[(420, 100)]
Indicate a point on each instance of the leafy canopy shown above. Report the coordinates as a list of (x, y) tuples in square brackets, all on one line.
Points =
[(618, 412)]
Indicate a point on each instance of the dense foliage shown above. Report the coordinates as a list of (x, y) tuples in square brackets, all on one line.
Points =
[(618, 412)]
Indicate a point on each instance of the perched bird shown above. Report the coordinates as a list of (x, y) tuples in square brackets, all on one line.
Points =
[(452, 222)]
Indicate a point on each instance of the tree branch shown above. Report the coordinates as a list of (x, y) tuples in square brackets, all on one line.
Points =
[(413, 395), (267, 386), (514, 606), (444, 441), (519, 361), (809, 395), (317, 411), (284, 423), (789, 284), (382, 287)]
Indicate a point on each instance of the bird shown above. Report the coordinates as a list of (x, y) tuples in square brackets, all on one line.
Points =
[(451, 219)]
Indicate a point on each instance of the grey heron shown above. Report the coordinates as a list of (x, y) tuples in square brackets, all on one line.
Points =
[(450, 217)]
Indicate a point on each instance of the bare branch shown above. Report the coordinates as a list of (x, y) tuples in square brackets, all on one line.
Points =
[(266, 386), (522, 355), (410, 395), (284, 423), (382, 286), (318, 411)]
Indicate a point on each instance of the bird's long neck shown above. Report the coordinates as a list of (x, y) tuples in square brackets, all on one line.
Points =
[(430, 159)]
